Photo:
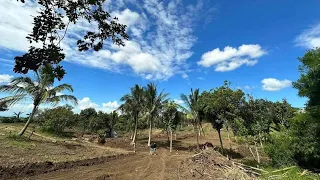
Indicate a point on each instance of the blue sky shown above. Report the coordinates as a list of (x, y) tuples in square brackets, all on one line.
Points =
[(179, 45)]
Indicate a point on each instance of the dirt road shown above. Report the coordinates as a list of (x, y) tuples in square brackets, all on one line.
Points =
[(163, 165)]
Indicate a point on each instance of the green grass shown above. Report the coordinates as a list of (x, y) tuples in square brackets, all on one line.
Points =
[(290, 173)]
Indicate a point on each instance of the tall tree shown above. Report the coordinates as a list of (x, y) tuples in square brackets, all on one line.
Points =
[(192, 108), (153, 104), (40, 90), (171, 118), (307, 141), (87, 119), (50, 27), (220, 107), (134, 103), (308, 84)]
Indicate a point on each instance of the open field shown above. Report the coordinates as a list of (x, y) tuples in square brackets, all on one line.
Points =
[(45, 157)]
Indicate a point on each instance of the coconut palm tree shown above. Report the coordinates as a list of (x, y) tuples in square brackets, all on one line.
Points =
[(153, 104), (192, 108), (134, 104), (40, 90)]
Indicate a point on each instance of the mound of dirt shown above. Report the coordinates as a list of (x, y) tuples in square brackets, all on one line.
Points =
[(210, 164)]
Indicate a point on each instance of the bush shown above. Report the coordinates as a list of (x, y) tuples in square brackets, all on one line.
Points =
[(56, 120), (306, 130), (280, 149), (7, 120)]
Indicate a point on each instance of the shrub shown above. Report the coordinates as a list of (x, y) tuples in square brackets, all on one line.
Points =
[(280, 149), (56, 120)]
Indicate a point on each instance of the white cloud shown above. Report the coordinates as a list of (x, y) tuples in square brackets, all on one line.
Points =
[(15, 24), (271, 84), (309, 38), (178, 101), (86, 103), (184, 76), (110, 104), (161, 36), (231, 58), (4, 78)]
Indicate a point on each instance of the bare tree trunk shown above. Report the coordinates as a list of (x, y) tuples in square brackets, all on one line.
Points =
[(135, 131), (175, 136), (220, 140), (33, 130), (258, 157), (170, 140), (229, 138), (254, 157), (197, 134), (260, 139), (202, 130), (131, 134), (150, 132), (168, 136), (34, 110)]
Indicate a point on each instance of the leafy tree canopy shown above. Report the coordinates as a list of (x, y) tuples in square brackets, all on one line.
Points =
[(54, 17), (309, 82)]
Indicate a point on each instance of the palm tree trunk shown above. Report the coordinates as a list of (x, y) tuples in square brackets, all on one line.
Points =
[(135, 130), (220, 140), (150, 132), (34, 110), (170, 140)]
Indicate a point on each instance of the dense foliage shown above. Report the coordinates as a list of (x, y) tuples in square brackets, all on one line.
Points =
[(56, 120), (50, 27)]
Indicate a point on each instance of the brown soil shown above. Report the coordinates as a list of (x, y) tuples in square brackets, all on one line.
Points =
[(163, 165), (87, 160), (31, 169)]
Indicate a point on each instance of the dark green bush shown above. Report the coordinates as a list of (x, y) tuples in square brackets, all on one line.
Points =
[(56, 120), (280, 149)]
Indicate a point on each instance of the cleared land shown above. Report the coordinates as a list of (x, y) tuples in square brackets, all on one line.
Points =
[(46, 157)]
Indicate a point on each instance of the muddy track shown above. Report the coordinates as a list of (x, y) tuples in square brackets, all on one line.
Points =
[(32, 169)]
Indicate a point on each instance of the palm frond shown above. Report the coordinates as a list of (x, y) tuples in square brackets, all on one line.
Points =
[(57, 99), (11, 100), (61, 88), (187, 102)]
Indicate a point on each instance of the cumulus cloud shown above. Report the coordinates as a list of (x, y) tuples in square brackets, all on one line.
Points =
[(111, 105), (5, 78), (272, 84), (309, 38), (161, 36), (231, 58), (86, 102)]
